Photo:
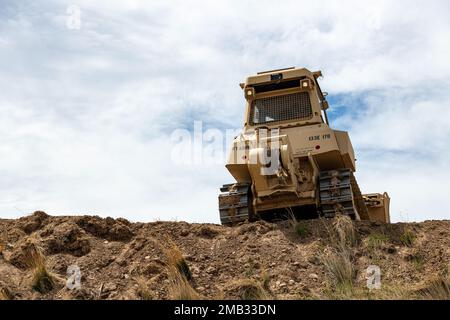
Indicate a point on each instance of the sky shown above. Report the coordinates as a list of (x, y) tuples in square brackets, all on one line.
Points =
[(91, 93)]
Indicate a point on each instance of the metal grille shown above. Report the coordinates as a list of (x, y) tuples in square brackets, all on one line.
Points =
[(288, 107)]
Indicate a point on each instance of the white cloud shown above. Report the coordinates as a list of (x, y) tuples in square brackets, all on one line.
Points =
[(86, 115)]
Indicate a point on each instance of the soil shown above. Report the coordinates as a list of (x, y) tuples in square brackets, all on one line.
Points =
[(114, 255)]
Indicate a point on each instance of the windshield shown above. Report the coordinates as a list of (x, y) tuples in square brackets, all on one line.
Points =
[(281, 108)]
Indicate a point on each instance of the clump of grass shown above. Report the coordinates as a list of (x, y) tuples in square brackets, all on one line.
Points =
[(5, 294), (175, 258), (143, 290), (388, 291), (248, 289), (43, 281), (395, 292), (408, 238), (338, 256), (299, 227), (339, 266), (250, 267), (438, 289), (418, 259), (376, 240), (302, 229), (343, 226), (265, 279), (179, 274), (3, 245), (179, 287)]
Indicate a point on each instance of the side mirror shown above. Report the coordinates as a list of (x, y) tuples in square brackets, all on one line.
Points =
[(325, 105)]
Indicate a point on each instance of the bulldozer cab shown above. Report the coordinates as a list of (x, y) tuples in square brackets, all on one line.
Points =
[(284, 98)]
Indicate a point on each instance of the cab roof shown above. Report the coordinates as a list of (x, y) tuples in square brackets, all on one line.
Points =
[(278, 75)]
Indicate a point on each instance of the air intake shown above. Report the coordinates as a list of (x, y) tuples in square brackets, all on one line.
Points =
[(296, 106)]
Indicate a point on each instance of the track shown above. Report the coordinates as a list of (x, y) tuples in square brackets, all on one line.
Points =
[(340, 194), (338, 190), (234, 203)]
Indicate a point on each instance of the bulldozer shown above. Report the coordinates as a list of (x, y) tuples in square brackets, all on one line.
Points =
[(288, 161)]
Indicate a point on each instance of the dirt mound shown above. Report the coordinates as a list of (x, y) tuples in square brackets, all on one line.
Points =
[(33, 222), (114, 230), (117, 259), (66, 238), (23, 252)]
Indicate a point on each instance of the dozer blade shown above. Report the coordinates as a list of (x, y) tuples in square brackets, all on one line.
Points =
[(378, 206), (235, 203)]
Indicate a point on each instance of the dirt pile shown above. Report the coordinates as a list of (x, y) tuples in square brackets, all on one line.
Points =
[(117, 259)]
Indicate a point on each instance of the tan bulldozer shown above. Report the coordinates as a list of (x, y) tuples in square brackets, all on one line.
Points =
[(288, 160)]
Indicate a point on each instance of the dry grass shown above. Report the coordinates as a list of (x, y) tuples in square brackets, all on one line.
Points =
[(3, 245), (179, 287), (265, 279), (387, 292), (248, 289), (5, 294), (418, 259), (338, 257), (179, 274), (175, 259), (438, 289), (345, 231), (390, 292), (339, 266), (43, 281), (143, 290), (300, 227)]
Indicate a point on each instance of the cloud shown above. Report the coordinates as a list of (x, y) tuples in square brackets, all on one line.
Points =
[(87, 115)]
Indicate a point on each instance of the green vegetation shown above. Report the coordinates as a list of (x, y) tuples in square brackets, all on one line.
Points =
[(301, 229), (408, 238)]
